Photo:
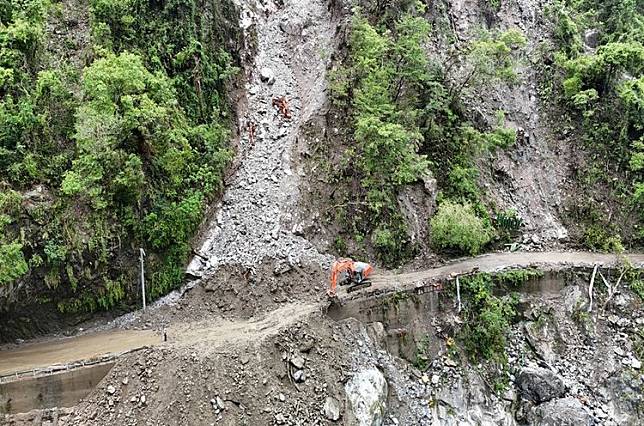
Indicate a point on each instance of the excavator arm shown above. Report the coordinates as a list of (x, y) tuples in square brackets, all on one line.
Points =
[(339, 266)]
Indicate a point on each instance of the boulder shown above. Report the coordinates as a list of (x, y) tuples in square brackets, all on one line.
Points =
[(539, 385), (298, 362), (561, 412), (332, 409), (267, 75), (591, 38), (366, 398)]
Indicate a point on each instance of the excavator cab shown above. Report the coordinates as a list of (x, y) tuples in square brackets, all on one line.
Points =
[(345, 271)]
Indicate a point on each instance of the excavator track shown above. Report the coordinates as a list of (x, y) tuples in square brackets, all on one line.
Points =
[(360, 286)]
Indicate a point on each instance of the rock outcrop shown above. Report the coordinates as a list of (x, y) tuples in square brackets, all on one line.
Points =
[(367, 398)]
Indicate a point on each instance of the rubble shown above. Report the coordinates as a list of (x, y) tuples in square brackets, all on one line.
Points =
[(251, 223)]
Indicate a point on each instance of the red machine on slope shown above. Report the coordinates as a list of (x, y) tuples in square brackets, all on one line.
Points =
[(348, 272)]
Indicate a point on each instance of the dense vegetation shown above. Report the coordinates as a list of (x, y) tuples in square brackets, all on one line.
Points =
[(599, 79), (487, 317), (408, 123), (119, 151)]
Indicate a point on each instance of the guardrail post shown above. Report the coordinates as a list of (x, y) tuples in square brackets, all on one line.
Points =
[(458, 294)]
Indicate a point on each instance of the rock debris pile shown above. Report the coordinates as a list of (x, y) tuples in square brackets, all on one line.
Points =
[(285, 86)]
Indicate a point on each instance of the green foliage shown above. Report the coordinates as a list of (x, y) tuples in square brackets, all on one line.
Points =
[(173, 222), (422, 359), (492, 57), (566, 32), (380, 85), (56, 253), (177, 38), (456, 226), (618, 20), (12, 263), (605, 86), (407, 120), (487, 318), (494, 4), (125, 152), (597, 237), (515, 277), (508, 221), (637, 286)]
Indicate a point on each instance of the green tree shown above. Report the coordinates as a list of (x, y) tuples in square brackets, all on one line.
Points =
[(456, 226), (382, 80)]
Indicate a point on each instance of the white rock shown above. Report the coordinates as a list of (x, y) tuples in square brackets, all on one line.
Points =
[(111, 389), (332, 409), (449, 362), (267, 75), (299, 376), (435, 379), (636, 364), (298, 362), (366, 398)]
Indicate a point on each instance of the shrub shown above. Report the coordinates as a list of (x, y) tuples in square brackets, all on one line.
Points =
[(12, 263), (456, 226), (487, 318), (508, 221)]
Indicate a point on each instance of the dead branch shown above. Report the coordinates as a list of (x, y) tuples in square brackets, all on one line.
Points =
[(590, 288), (612, 290)]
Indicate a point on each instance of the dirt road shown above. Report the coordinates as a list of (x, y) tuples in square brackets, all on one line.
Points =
[(495, 261), (63, 351), (209, 335), (206, 335)]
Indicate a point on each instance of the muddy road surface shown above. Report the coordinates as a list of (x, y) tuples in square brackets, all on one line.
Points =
[(220, 333), (40, 355)]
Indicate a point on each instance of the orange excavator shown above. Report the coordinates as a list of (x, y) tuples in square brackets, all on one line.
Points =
[(346, 271)]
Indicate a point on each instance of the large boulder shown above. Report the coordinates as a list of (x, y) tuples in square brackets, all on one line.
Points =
[(561, 412), (366, 398), (539, 385)]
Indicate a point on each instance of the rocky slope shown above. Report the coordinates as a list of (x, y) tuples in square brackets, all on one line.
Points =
[(256, 218)]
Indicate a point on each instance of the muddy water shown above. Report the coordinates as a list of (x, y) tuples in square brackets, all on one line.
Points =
[(65, 351), (55, 390)]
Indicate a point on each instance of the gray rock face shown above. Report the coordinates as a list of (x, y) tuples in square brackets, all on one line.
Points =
[(561, 412), (539, 385), (591, 38), (332, 409), (366, 398)]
